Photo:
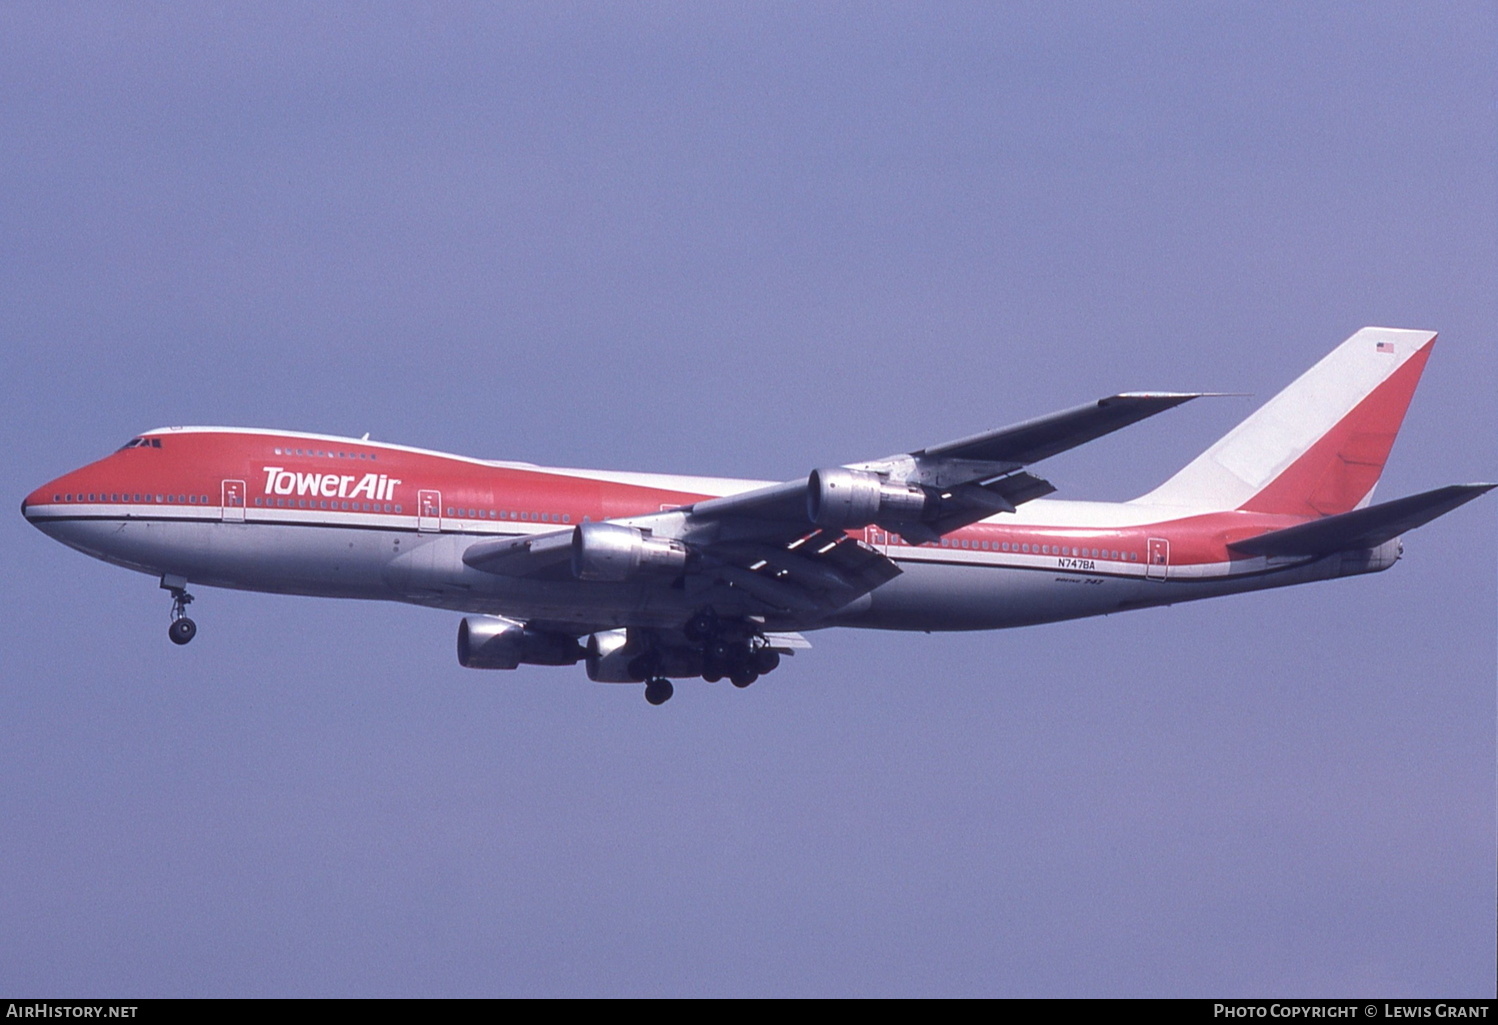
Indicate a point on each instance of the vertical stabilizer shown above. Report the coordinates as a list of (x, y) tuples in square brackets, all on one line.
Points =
[(1318, 447)]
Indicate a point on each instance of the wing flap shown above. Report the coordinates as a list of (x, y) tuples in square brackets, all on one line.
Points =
[(1368, 527), (817, 572)]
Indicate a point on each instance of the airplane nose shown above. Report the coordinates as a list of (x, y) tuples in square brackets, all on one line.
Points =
[(32, 504)]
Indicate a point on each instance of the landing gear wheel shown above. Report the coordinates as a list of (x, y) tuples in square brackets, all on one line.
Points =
[(659, 690), (182, 630), (766, 660), (743, 677)]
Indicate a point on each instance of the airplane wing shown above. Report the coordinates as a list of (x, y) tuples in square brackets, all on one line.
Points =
[(1046, 436), (788, 546), (924, 494), (816, 571)]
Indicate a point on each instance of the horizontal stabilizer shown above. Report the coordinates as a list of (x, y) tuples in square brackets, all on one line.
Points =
[(1362, 528)]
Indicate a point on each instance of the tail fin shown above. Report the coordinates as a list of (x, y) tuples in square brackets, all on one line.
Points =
[(1318, 447)]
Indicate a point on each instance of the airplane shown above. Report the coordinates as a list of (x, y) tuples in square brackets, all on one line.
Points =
[(648, 577)]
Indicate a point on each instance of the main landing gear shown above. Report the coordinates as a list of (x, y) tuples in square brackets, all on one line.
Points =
[(734, 649), (182, 629), (742, 662), (647, 667)]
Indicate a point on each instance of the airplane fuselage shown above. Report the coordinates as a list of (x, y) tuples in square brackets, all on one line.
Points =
[(306, 514)]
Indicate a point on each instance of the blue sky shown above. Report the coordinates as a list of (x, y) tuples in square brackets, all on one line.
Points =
[(745, 241)]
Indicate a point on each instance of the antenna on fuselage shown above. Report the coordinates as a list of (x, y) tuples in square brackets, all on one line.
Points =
[(365, 437)]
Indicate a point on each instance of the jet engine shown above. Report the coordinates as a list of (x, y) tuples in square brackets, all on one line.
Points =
[(488, 643), (613, 552), (609, 656), (844, 499)]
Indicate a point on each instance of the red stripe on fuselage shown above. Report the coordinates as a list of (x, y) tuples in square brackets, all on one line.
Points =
[(196, 463)]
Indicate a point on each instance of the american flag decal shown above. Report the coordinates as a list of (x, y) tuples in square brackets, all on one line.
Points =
[(1386, 347)]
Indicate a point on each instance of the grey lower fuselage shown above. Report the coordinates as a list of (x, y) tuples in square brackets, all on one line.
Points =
[(402, 564)]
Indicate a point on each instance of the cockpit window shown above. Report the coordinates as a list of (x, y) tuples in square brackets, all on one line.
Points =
[(141, 443)]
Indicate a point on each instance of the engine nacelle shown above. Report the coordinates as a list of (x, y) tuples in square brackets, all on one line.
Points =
[(616, 657), (488, 643), (844, 499), (609, 656), (613, 552)]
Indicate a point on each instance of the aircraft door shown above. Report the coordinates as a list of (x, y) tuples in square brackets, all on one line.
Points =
[(1158, 555), (429, 510), (876, 537), (232, 502)]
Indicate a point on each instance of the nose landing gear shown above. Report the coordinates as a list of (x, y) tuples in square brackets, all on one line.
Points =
[(182, 629)]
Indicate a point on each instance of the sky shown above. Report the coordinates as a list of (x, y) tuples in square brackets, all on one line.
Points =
[(745, 240)]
